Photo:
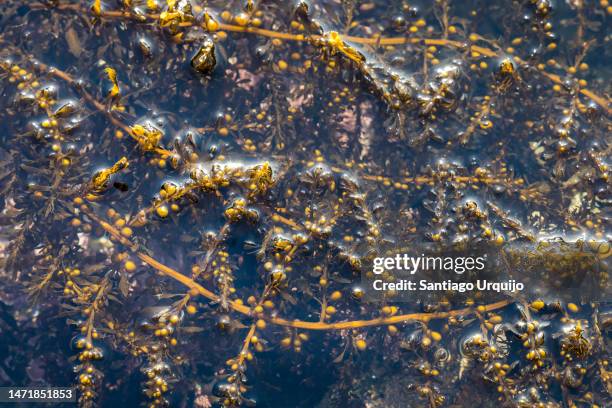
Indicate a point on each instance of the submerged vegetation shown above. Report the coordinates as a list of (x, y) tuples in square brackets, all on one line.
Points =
[(191, 191)]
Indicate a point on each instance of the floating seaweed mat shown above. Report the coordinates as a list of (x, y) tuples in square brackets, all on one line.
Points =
[(199, 191)]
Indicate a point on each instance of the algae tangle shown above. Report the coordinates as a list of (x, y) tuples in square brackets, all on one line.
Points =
[(195, 195)]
